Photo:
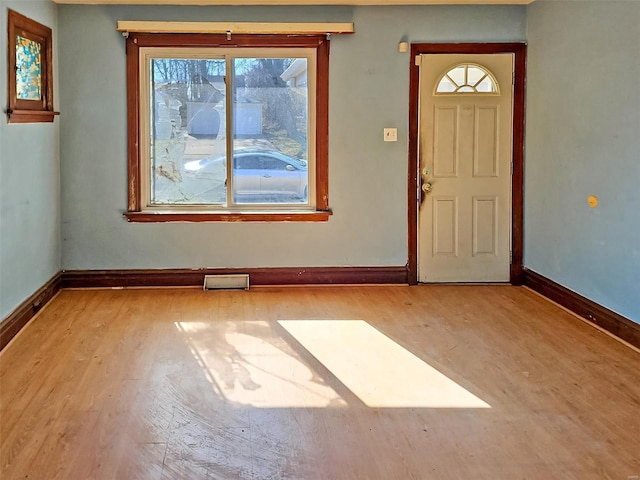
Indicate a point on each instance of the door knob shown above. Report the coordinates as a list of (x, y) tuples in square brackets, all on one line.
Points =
[(425, 186)]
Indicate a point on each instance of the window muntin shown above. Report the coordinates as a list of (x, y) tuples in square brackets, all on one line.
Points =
[(467, 78), (206, 105)]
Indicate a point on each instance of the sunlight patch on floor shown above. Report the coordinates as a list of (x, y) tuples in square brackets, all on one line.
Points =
[(376, 369), (246, 365)]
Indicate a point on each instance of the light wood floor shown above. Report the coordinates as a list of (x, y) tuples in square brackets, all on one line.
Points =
[(441, 382)]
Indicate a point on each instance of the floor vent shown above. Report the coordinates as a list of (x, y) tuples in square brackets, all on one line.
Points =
[(226, 282)]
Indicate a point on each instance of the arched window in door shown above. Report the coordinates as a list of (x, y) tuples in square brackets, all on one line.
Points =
[(467, 78)]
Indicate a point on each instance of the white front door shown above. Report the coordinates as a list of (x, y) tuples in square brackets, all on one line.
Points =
[(466, 132)]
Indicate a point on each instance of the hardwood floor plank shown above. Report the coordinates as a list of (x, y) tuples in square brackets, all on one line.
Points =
[(184, 384)]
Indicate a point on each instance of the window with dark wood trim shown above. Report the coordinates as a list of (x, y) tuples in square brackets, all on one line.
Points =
[(149, 136), (30, 71)]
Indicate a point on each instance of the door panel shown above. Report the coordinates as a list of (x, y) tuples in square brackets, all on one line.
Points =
[(485, 155), (445, 151), (445, 226), (485, 226), (465, 154)]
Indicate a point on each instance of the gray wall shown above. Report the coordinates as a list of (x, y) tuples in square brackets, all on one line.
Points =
[(30, 224), (583, 138), (369, 82), (583, 125)]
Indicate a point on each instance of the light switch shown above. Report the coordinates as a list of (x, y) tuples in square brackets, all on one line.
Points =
[(390, 134)]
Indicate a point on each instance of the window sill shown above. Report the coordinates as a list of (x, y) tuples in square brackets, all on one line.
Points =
[(188, 217), (31, 116)]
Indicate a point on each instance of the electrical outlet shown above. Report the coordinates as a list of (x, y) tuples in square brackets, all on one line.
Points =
[(390, 134)]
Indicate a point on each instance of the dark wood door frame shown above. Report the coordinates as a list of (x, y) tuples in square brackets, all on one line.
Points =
[(517, 179)]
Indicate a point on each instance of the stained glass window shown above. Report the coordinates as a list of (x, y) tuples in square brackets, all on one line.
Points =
[(30, 85), (465, 79), (28, 69)]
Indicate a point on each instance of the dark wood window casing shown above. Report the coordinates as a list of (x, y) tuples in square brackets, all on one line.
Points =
[(22, 110), (135, 41)]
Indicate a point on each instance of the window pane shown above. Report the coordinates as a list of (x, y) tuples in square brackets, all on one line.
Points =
[(188, 140), (445, 86), (457, 75), (486, 86), (28, 69), (474, 74), (467, 79), (270, 123)]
